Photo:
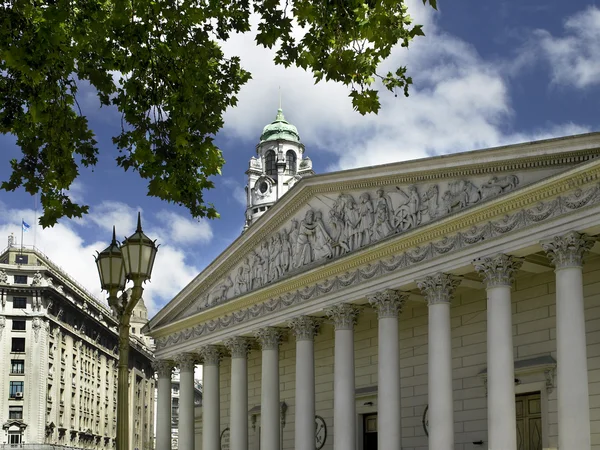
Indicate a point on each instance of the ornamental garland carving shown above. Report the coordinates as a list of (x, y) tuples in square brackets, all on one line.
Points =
[(346, 224), (543, 211)]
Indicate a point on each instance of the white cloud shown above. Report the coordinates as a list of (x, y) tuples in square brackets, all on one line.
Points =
[(459, 101), (183, 230), (575, 57), (66, 247), (110, 213)]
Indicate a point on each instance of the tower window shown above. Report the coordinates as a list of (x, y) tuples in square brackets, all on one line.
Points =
[(19, 302), (290, 159), (17, 345), (18, 325), (270, 163), (20, 279)]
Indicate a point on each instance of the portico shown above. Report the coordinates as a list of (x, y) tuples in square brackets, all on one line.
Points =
[(435, 327)]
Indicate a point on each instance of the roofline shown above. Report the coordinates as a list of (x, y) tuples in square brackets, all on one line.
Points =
[(468, 157)]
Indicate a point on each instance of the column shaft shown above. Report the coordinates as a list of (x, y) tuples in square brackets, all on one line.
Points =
[(163, 406), (270, 420), (211, 402), (572, 375), (344, 402), (305, 396), (186, 433), (389, 428), (439, 290), (441, 407), (269, 401), (566, 253), (388, 304), (305, 329), (211, 410), (238, 411), (502, 425)]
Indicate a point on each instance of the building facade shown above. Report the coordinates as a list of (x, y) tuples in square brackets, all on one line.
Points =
[(59, 353), (448, 303)]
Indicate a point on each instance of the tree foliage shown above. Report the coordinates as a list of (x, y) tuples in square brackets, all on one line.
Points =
[(160, 64)]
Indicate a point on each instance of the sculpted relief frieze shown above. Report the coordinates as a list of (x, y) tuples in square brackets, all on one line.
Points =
[(335, 225), (545, 210)]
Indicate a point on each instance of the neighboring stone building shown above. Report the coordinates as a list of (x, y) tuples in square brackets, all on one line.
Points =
[(175, 406), (451, 302), (58, 348)]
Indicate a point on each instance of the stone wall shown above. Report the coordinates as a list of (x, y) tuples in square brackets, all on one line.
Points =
[(534, 335)]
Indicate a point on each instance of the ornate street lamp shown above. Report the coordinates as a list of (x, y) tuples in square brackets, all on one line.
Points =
[(133, 261)]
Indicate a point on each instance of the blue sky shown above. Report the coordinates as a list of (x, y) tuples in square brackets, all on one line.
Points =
[(486, 74)]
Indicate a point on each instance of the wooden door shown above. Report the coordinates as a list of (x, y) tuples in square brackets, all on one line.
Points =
[(529, 421), (370, 432)]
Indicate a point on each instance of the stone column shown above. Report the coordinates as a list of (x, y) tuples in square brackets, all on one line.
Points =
[(186, 432), (270, 424), (211, 402), (344, 318), (305, 328), (566, 253), (439, 291), (164, 370), (498, 273), (388, 305), (238, 411)]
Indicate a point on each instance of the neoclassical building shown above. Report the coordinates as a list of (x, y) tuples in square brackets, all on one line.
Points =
[(59, 361), (446, 303)]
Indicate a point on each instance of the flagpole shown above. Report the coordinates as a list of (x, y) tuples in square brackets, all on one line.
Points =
[(22, 226)]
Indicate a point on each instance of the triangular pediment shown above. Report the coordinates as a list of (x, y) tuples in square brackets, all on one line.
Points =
[(328, 217)]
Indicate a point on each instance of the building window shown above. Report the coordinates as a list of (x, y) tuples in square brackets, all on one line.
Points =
[(22, 259), (18, 345), (133, 330), (20, 279), (16, 389), (14, 437), (15, 412), (270, 164), (17, 366), (18, 325), (290, 160), (19, 302)]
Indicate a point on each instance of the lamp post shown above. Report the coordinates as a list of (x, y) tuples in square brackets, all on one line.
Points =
[(133, 260)]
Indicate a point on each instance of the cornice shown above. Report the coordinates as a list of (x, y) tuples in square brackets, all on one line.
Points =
[(280, 213), (416, 239)]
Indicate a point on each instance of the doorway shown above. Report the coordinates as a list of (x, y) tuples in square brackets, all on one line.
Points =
[(370, 431), (529, 421)]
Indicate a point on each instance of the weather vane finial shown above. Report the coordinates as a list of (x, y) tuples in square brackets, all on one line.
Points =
[(279, 97)]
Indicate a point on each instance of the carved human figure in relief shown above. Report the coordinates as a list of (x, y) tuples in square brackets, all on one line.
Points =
[(352, 221), (286, 251), (275, 266), (3, 276), (264, 262), (336, 224), (365, 225), (256, 268), (384, 211), (322, 244), (240, 286), (313, 241)]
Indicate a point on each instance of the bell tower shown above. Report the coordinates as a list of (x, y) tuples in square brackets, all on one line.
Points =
[(278, 165)]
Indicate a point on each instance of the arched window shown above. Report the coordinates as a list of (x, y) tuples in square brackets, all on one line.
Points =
[(270, 165), (290, 160)]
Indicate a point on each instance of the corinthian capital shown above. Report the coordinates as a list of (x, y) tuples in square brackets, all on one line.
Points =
[(163, 367), (498, 270), (344, 316), (238, 346), (568, 250), (305, 327), (269, 337), (439, 288), (186, 361), (387, 303), (211, 355)]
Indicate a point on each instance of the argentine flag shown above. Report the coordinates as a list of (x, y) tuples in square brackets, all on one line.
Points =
[(25, 225)]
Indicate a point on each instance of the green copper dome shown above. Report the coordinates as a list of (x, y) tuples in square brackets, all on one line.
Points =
[(280, 129)]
